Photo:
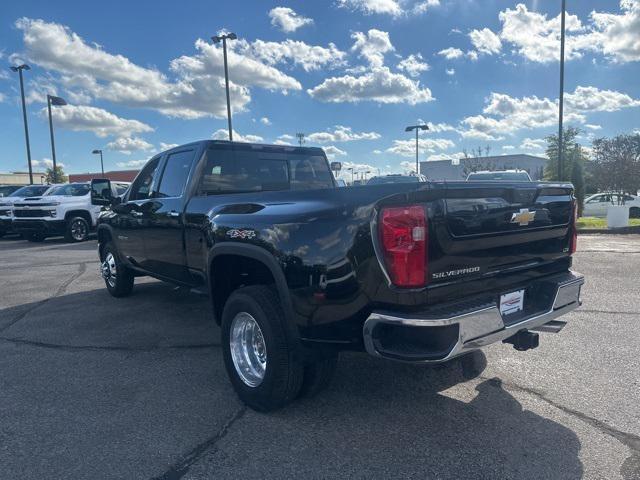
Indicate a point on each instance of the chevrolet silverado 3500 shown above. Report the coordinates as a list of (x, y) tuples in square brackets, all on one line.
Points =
[(298, 270)]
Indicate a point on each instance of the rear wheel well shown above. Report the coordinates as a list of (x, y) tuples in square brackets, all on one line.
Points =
[(230, 272)]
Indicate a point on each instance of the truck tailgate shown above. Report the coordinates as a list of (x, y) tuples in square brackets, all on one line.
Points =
[(483, 229)]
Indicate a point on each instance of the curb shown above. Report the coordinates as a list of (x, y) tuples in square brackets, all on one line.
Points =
[(612, 231)]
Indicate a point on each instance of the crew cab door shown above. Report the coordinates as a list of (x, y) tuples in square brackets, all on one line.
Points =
[(133, 215), (164, 235)]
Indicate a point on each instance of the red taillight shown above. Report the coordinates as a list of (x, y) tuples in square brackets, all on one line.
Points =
[(403, 234), (574, 230)]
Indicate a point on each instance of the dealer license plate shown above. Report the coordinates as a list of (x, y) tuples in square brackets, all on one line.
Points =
[(511, 302)]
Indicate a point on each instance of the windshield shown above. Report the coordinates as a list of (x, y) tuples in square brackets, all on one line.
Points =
[(393, 179), (30, 191), (499, 176), (71, 190)]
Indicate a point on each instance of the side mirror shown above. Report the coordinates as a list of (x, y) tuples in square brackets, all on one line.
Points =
[(101, 192)]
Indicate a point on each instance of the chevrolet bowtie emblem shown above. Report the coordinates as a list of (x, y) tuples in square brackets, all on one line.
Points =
[(523, 217)]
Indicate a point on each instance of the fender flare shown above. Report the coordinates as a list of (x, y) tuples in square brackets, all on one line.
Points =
[(268, 260)]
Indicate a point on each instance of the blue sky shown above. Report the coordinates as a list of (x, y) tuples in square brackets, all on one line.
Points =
[(351, 74)]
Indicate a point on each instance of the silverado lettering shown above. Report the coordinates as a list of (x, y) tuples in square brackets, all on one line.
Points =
[(299, 269)]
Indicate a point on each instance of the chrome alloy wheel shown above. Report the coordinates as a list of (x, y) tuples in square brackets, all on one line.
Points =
[(79, 230), (248, 349), (108, 270)]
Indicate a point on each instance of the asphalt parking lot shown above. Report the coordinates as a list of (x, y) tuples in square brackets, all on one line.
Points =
[(96, 387)]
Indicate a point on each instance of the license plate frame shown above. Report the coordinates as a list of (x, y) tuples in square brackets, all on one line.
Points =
[(512, 302)]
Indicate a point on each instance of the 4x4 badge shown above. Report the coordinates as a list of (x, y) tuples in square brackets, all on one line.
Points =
[(523, 217)]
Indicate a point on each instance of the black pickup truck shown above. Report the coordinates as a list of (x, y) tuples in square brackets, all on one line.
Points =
[(299, 270)]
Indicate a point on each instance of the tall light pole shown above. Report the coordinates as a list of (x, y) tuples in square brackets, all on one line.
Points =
[(366, 173), (417, 128), (95, 152), (224, 38), (351, 168), (55, 101), (19, 69), (300, 137), (561, 98)]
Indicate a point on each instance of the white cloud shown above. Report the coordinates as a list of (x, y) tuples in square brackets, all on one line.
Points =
[(45, 163), (508, 114), (332, 151), (372, 46), (358, 168), (413, 65), (451, 53), (378, 85), (96, 120), (127, 145), (341, 134), (287, 20), (196, 91), (536, 37), (619, 35), (308, 57), (2, 97), (167, 146), (279, 141), (472, 55), (440, 127), (132, 164), (592, 99), (485, 41), (394, 8), (286, 136), (223, 134), (407, 148), (508, 147), (451, 71), (533, 144), (422, 7), (265, 121), (593, 127), (389, 7)]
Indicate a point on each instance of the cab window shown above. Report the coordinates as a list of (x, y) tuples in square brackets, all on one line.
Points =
[(175, 175), (141, 188)]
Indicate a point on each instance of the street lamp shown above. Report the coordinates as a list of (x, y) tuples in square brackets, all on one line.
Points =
[(366, 173), (561, 99), (95, 152), (56, 102), (224, 38), (417, 128), (19, 69), (351, 169)]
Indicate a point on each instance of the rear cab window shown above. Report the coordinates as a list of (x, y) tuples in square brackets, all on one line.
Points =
[(245, 169)]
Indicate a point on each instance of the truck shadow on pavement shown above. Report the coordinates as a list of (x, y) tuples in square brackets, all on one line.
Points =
[(377, 419)]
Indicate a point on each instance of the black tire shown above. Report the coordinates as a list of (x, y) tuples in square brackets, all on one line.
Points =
[(77, 229), (283, 374), (318, 376), (120, 284), (36, 237), (634, 212)]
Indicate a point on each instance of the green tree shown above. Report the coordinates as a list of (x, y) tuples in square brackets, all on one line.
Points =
[(617, 163), (573, 159), (60, 176)]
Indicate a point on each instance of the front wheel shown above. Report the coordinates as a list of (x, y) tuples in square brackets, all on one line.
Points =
[(117, 277), (77, 230), (257, 355)]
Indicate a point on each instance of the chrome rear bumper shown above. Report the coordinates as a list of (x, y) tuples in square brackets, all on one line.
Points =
[(456, 333)]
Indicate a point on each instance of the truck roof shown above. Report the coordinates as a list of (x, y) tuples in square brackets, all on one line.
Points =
[(258, 146)]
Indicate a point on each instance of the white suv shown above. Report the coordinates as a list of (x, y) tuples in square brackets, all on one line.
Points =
[(65, 210)]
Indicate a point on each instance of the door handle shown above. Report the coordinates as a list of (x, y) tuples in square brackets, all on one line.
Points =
[(135, 213), (173, 213)]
